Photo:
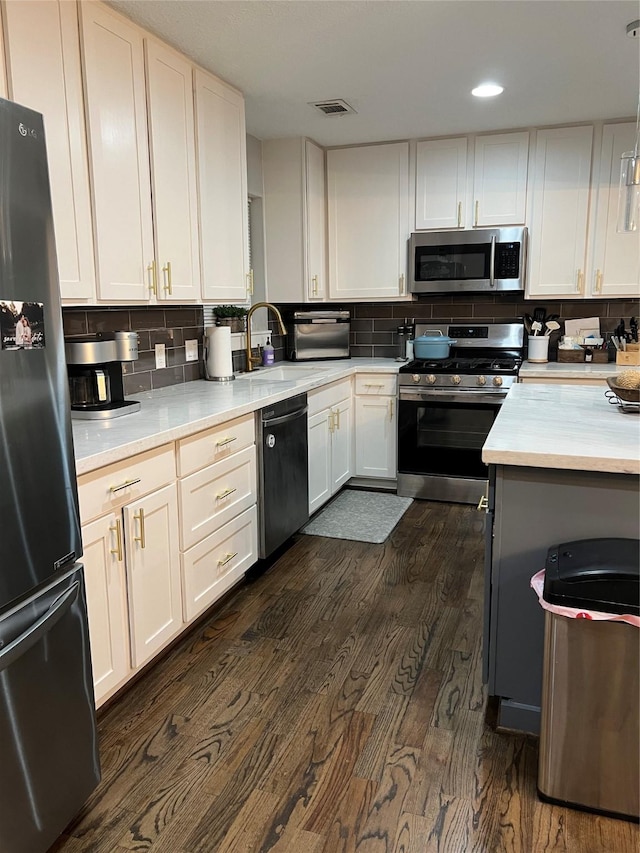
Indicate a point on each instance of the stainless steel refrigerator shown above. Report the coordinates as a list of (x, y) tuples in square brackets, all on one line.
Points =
[(48, 745)]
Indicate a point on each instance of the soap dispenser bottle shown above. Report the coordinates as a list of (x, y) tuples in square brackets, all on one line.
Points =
[(268, 353)]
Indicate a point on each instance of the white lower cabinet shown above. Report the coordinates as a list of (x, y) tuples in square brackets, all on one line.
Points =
[(130, 535), (375, 426), (153, 572), (106, 584), (218, 512), (212, 566), (330, 436)]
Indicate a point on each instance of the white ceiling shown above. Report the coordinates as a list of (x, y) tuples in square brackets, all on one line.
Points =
[(407, 66)]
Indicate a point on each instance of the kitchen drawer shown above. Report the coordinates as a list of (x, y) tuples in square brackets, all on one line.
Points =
[(384, 384), (216, 563), (204, 448), (213, 496), (111, 487), (329, 395)]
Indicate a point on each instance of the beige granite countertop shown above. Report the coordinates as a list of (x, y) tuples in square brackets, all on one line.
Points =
[(180, 410), (564, 426)]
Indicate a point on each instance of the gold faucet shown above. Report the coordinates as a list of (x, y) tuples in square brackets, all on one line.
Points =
[(254, 359)]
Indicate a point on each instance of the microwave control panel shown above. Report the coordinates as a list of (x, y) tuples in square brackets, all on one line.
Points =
[(507, 260)]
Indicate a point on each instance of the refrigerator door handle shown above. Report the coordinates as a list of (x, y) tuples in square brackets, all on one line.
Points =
[(40, 627)]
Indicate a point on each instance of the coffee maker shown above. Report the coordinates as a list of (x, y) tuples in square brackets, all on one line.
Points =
[(94, 368)]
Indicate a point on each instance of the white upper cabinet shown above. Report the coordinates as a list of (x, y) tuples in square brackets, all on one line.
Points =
[(116, 109), (222, 184), (452, 192), (44, 74), (315, 214), (441, 179), (368, 221), (615, 267), (558, 238), (293, 172), (173, 172), (500, 179)]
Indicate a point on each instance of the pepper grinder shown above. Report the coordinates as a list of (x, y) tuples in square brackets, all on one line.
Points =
[(403, 336)]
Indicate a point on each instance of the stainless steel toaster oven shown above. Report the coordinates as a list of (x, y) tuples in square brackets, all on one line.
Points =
[(315, 335)]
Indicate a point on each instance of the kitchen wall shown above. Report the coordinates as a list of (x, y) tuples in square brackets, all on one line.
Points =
[(374, 324), (373, 327), (168, 326)]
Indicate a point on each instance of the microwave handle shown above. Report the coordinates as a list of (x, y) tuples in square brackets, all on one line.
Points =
[(492, 262)]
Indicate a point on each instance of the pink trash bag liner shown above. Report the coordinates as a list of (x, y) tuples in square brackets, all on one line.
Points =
[(537, 585)]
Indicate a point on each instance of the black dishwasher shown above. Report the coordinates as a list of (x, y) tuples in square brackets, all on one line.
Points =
[(283, 472)]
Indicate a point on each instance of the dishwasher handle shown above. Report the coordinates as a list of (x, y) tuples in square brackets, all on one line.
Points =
[(284, 419)]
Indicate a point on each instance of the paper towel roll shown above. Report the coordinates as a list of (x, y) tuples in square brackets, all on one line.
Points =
[(218, 360)]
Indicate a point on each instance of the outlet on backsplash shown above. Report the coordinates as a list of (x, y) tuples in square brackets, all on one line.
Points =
[(161, 356), (191, 350)]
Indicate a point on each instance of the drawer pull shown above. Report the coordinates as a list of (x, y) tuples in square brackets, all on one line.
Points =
[(118, 531), (139, 516), (225, 494), (374, 384), (226, 441), (124, 485), (483, 503), (390, 410), (227, 559)]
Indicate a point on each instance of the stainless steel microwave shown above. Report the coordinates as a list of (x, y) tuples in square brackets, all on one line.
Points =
[(482, 260)]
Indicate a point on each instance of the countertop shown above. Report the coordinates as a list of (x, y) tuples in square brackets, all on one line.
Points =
[(180, 410), (564, 426), (556, 370)]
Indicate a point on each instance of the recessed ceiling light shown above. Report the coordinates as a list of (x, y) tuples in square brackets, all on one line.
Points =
[(487, 90)]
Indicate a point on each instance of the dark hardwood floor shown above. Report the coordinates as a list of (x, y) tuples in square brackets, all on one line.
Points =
[(333, 705)]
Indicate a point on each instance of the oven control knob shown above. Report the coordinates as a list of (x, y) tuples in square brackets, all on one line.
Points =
[(431, 379), (497, 380), (455, 379), (416, 377), (481, 380)]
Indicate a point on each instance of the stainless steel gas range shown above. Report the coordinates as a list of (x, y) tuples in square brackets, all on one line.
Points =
[(446, 409)]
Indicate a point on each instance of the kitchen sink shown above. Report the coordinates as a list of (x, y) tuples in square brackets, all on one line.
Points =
[(281, 374)]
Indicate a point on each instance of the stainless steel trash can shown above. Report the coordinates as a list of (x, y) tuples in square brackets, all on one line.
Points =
[(590, 726)]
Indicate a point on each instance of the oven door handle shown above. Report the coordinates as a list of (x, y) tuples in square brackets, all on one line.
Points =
[(417, 396)]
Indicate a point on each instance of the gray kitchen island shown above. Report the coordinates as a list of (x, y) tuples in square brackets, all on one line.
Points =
[(564, 465)]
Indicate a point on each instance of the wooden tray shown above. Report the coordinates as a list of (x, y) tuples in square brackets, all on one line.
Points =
[(575, 356)]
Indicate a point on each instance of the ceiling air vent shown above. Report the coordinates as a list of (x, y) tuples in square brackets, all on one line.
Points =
[(336, 107)]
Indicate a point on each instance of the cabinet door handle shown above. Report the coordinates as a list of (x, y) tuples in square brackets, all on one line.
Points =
[(332, 424), (337, 418), (475, 216), (139, 516), (227, 559), (124, 485), (483, 503), (250, 283), (314, 282), (225, 494), (153, 278), (401, 283), (459, 214), (117, 529), (390, 410), (226, 441), (598, 288), (167, 275), (580, 281)]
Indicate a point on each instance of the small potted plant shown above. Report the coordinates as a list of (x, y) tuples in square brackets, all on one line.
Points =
[(231, 315)]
